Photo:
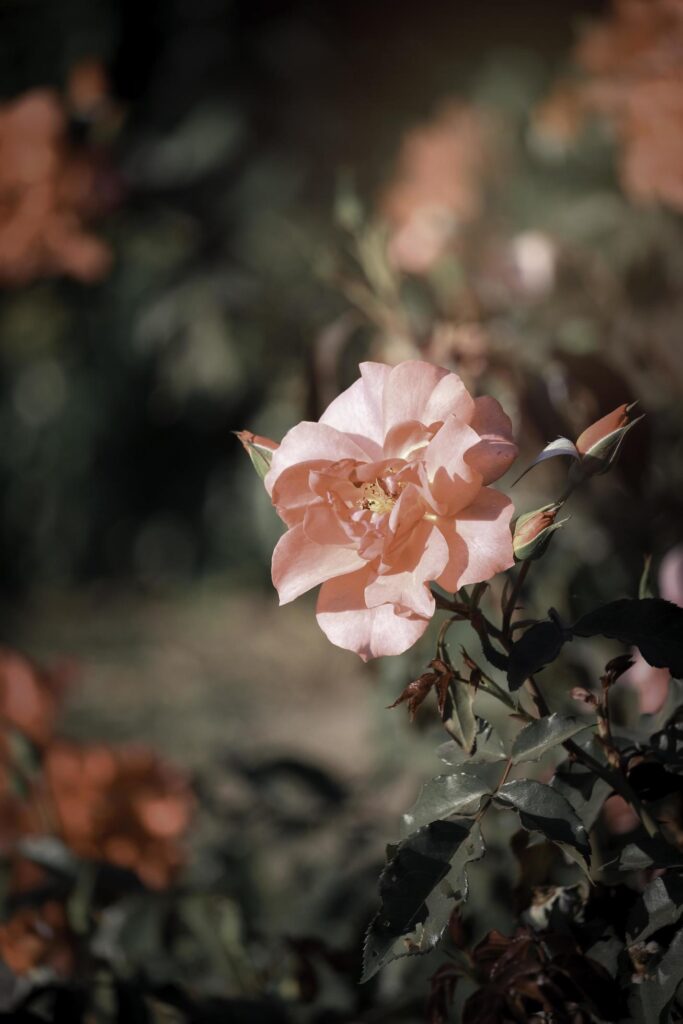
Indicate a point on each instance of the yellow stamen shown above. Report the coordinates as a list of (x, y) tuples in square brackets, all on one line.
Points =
[(375, 499)]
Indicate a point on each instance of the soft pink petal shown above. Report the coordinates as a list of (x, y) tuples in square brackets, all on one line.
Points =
[(449, 398), (408, 390), (671, 576), (651, 684), (358, 410), (485, 528), (407, 588), (406, 439), (323, 524), (453, 482), (370, 632), (299, 563), (457, 557), (408, 510), (496, 451), (292, 491), (312, 442)]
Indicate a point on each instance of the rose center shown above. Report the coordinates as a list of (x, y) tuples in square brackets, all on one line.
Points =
[(374, 498)]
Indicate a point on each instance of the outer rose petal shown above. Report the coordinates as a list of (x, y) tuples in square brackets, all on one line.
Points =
[(370, 632), (358, 410), (496, 451), (299, 563), (407, 588), (312, 442), (449, 398), (408, 390), (484, 528)]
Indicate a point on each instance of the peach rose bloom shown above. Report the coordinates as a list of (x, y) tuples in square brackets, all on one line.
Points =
[(387, 493)]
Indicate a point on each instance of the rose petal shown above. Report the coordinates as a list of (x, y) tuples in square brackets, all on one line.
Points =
[(406, 439), (453, 482), (424, 557), (299, 563), (408, 390), (358, 410), (370, 632), (312, 442), (449, 398), (484, 527), (496, 451)]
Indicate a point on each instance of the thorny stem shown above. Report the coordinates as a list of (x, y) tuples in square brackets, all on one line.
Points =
[(512, 600), (485, 629), (615, 779)]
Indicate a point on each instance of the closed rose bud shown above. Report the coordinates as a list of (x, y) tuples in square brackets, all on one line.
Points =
[(598, 444), (533, 532), (259, 449)]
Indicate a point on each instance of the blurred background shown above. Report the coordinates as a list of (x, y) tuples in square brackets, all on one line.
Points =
[(210, 211)]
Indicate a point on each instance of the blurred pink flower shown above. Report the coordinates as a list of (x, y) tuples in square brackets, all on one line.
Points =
[(438, 184), (387, 493), (652, 684)]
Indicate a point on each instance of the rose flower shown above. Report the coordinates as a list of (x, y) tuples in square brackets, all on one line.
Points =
[(387, 493)]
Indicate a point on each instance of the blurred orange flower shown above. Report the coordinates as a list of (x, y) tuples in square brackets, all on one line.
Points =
[(30, 698), (634, 78), (47, 192), (127, 807), (37, 937)]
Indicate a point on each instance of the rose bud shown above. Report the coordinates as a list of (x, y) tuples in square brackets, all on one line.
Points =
[(533, 532), (598, 444), (259, 449)]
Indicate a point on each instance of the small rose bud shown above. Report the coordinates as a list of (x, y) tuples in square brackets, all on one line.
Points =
[(533, 532), (259, 449), (599, 444)]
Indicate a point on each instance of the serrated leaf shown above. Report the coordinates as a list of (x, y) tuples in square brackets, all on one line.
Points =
[(488, 747), (458, 715), (561, 446), (459, 793), (660, 905), (652, 999), (538, 647), (647, 852), (419, 888), (652, 625), (537, 738), (585, 791), (542, 809)]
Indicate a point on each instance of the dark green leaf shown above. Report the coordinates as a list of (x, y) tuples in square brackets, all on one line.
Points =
[(458, 716), (583, 789), (487, 747), (648, 852), (420, 886), (538, 647), (653, 997), (459, 793), (542, 809), (537, 738), (606, 952), (652, 625), (661, 904)]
